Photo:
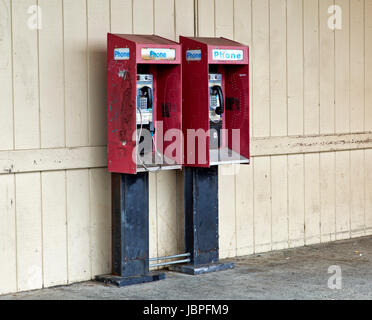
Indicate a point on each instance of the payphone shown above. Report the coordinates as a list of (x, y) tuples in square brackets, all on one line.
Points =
[(216, 101), (144, 108), (144, 103), (215, 123)]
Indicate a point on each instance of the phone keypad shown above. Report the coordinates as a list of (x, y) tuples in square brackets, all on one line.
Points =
[(213, 101), (143, 103)]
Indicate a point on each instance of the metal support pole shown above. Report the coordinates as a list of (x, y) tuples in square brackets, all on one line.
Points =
[(130, 231), (201, 221)]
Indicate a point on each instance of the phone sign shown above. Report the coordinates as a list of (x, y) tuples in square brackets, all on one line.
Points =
[(193, 55), (227, 55), (158, 54), (121, 54)]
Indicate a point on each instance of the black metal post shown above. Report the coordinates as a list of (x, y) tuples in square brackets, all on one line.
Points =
[(130, 231), (201, 221)]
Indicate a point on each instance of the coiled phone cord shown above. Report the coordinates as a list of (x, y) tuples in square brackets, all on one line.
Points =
[(156, 150)]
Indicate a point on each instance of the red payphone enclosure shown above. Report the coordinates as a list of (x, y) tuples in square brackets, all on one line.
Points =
[(127, 57), (200, 57)]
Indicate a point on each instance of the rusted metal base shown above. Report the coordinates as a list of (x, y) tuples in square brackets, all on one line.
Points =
[(127, 281), (130, 231), (201, 222), (201, 215), (207, 268)]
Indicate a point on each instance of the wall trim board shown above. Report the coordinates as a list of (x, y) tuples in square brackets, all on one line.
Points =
[(269, 146), (52, 159), (19, 161)]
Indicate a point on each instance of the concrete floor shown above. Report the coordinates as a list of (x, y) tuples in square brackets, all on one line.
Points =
[(300, 273)]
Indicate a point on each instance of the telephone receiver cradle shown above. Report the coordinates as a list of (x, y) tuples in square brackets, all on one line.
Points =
[(218, 90)]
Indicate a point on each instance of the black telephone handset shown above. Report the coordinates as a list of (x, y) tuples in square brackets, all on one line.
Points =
[(221, 109), (147, 92)]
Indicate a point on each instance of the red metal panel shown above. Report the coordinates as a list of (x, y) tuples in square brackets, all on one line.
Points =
[(169, 111), (196, 95), (237, 106), (195, 101), (121, 95)]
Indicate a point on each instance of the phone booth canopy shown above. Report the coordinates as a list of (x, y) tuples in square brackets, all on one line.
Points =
[(144, 92), (215, 116)]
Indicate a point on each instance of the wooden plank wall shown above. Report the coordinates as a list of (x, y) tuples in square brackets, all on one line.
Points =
[(307, 80), (309, 84), (55, 224)]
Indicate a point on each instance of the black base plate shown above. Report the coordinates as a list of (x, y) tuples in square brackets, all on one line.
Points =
[(195, 270), (127, 281)]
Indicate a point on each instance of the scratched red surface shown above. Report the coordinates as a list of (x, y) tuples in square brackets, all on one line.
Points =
[(195, 101), (121, 95)]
